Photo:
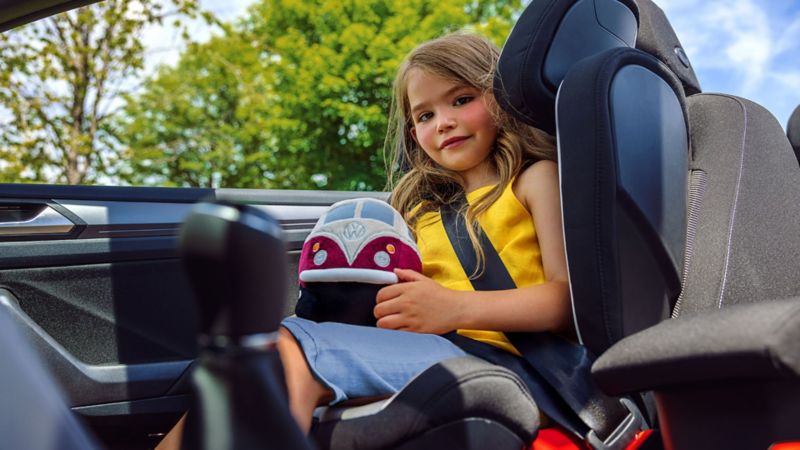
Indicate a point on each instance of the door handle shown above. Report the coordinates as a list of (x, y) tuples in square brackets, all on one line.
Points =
[(47, 221)]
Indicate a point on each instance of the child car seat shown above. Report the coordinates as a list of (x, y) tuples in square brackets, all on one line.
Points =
[(623, 170), (622, 133), (651, 184)]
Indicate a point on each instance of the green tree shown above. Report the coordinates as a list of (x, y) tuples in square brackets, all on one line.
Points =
[(58, 79), (307, 90), (202, 122)]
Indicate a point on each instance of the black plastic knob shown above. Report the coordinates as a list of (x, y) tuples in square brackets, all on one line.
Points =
[(236, 261)]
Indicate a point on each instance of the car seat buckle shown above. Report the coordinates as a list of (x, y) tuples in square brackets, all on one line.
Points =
[(624, 434)]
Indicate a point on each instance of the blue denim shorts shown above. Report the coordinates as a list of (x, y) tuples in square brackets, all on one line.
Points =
[(356, 362)]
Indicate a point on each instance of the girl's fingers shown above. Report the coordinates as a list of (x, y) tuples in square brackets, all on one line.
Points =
[(408, 275), (391, 322), (388, 293), (385, 309)]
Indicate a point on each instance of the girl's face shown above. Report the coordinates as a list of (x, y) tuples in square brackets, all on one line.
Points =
[(452, 124)]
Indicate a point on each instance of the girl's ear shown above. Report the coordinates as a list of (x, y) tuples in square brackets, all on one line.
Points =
[(413, 131)]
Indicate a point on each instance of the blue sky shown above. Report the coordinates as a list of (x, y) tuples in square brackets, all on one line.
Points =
[(748, 48)]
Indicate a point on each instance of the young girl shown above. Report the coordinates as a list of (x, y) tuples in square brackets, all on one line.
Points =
[(458, 143)]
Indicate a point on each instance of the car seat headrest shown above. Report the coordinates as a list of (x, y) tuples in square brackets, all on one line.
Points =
[(547, 40), (552, 35), (657, 38), (793, 131)]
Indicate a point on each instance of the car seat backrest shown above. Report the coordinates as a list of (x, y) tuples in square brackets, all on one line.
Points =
[(623, 138), (743, 243), (793, 131)]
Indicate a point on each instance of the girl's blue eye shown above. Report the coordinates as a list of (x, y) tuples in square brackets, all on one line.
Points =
[(424, 117), (463, 100)]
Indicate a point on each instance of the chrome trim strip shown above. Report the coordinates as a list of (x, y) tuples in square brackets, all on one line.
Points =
[(49, 221)]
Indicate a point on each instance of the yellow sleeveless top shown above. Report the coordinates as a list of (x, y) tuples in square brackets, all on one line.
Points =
[(509, 227)]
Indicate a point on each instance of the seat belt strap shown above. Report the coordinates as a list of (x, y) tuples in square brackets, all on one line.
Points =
[(566, 367)]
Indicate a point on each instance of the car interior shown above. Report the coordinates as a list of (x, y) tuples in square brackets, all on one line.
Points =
[(680, 223)]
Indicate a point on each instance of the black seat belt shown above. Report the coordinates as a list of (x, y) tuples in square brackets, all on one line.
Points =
[(605, 422)]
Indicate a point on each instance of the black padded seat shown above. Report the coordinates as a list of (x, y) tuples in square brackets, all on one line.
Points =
[(462, 403), (723, 378), (793, 131), (623, 156)]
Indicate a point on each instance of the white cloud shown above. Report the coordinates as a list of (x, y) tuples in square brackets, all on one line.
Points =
[(789, 79), (733, 35)]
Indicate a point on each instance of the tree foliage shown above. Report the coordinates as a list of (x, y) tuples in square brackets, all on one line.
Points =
[(294, 95), (201, 123), (58, 79)]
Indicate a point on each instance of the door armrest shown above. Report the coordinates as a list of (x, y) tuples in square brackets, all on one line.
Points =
[(754, 340)]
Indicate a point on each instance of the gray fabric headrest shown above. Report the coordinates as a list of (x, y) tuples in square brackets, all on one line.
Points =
[(657, 38)]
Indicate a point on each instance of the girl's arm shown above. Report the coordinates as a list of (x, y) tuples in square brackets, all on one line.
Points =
[(422, 305)]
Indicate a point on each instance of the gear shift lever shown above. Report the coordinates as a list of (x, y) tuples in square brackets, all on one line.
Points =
[(235, 260)]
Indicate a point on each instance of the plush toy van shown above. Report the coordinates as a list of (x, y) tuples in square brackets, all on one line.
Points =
[(348, 257)]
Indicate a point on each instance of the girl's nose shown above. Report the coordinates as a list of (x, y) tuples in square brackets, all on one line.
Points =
[(446, 123)]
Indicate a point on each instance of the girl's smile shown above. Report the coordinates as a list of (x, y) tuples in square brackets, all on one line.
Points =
[(453, 142), (453, 125)]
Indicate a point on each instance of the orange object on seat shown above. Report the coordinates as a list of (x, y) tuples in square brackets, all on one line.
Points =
[(557, 438), (785, 446)]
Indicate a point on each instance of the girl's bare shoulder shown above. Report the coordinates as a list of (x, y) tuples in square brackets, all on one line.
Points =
[(536, 181)]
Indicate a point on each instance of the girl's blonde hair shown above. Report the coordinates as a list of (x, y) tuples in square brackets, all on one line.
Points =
[(465, 59)]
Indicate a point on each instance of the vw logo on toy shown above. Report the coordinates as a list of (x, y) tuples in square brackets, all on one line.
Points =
[(353, 231)]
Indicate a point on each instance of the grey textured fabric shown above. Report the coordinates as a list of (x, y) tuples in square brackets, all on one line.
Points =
[(742, 341), (33, 414), (793, 131), (657, 38), (747, 242), (454, 389)]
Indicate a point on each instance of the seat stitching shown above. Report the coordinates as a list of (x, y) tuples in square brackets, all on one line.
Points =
[(735, 201), (697, 189), (604, 72)]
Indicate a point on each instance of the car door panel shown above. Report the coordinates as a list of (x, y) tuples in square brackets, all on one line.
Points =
[(87, 384), (104, 299)]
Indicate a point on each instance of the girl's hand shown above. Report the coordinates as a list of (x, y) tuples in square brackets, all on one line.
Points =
[(416, 304)]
